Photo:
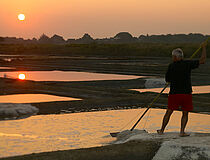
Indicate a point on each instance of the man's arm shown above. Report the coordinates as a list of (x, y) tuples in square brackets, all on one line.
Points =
[(202, 59)]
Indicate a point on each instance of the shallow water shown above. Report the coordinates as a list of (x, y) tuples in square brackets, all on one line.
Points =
[(196, 90), (33, 98), (7, 68), (66, 76), (82, 130)]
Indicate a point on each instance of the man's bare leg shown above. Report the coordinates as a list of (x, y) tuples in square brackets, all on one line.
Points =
[(166, 119), (184, 121)]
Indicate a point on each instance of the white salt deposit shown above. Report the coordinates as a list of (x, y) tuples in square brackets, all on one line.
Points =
[(191, 148), (196, 146), (136, 134), (16, 111), (155, 83), (127, 134)]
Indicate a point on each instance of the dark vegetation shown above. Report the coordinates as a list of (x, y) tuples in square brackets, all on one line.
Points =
[(119, 38), (99, 50)]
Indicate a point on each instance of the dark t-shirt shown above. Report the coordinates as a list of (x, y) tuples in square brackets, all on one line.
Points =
[(179, 76)]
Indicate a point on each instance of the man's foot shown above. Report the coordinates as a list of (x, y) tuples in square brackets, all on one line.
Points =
[(184, 134), (160, 132)]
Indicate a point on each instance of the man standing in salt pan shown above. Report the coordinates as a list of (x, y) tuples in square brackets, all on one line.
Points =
[(180, 95)]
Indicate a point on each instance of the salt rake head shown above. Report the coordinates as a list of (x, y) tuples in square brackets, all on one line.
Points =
[(114, 134)]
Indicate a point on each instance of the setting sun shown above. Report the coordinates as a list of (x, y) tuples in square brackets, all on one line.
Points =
[(21, 17), (22, 76)]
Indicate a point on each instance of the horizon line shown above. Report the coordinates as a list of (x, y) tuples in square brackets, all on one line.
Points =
[(106, 37)]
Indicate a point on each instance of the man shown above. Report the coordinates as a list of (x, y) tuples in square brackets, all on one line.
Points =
[(180, 95)]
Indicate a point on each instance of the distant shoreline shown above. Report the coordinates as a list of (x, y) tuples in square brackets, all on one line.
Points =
[(119, 38)]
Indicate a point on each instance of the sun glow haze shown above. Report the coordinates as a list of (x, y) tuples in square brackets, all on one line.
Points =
[(104, 18), (22, 76), (21, 17)]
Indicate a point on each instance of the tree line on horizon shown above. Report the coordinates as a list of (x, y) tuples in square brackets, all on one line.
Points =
[(120, 38)]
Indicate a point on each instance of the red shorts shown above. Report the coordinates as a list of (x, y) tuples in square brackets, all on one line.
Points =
[(180, 101)]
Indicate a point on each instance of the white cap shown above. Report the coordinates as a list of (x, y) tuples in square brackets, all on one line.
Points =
[(178, 53)]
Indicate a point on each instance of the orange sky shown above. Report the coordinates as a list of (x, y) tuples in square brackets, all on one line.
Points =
[(103, 18)]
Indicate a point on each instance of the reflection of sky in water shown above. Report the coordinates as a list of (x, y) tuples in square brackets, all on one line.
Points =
[(67, 76), (196, 90), (81, 130), (6, 68), (33, 98)]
